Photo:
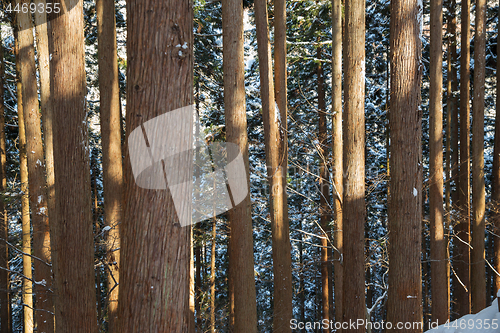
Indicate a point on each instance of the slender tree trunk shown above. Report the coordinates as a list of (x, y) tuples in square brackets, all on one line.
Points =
[(495, 197), (438, 242), (5, 310), (71, 228), (111, 149), (354, 163), (462, 250), (25, 209), (212, 276), (325, 211), (159, 49), (337, 146), (276, 157), (36, 171), (478, 271), (197, 278), (241, 271), (404, 302)]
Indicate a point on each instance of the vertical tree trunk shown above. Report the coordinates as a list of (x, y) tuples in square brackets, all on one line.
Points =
[(212, 276), (337, 145), (25, 209), (197, 278), (71, 228), (155, 249), (478, 271), (111, 149), (354, 162), (36, 171), (495, 197), (404, 302), (276, 157), (324, 180), (5, 310), (241, 269), (437, 240), (462, 250)]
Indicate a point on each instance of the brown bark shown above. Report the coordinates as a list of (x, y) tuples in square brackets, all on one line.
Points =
[(324, 181), (5, 309), (36, 170), (495, 197), (71, 228), (404, 302), (27, 292), (155, 249), (111, 149), (354, 163), (276, 156), (478, 270), (241, 267), (337, 146), (437, 240), (212, 276), (197, 278), (462, 250)]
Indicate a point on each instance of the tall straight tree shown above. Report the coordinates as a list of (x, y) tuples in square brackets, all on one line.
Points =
[(27, 293), (337, 147), (111, 148), (354, 162), (5, 318), (71, 227), (404, 302), (36, 172), (496, 175), (324, 185), (438, 242), (155, 249), (241, 267), (478, 271), (462, 249), (275, 142)]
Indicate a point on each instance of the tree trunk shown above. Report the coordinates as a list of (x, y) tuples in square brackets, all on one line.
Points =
[(71, 228), (36, 171), (437, 240), (495, 197), (462, 250), (354, 163), (337, 146), (197, 278), (276, 156), (155, 249), (241, 267), (212, 276), (111, 149), (27, 293), (324, 180), (5, 310), (478, 271), (404, 302)]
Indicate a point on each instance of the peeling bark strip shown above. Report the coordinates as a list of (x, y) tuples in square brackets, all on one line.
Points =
[(155, 250), (71, 228), (404, 302)]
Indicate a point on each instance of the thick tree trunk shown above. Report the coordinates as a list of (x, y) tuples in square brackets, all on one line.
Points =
[(36, 170), (27, 293), (495, 197), (354, 163), (324, 181), (5, 309), (155, 249), (111, 149), (438, 242), (462, 251), (404, 302), (276, 157), (337, 146), (478, 271), (71, 228)]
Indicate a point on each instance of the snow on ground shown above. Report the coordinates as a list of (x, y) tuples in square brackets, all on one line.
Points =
[(486, 321)]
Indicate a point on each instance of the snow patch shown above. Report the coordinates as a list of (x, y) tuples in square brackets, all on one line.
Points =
[(106, 228), (415, 192), (486, 321)]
